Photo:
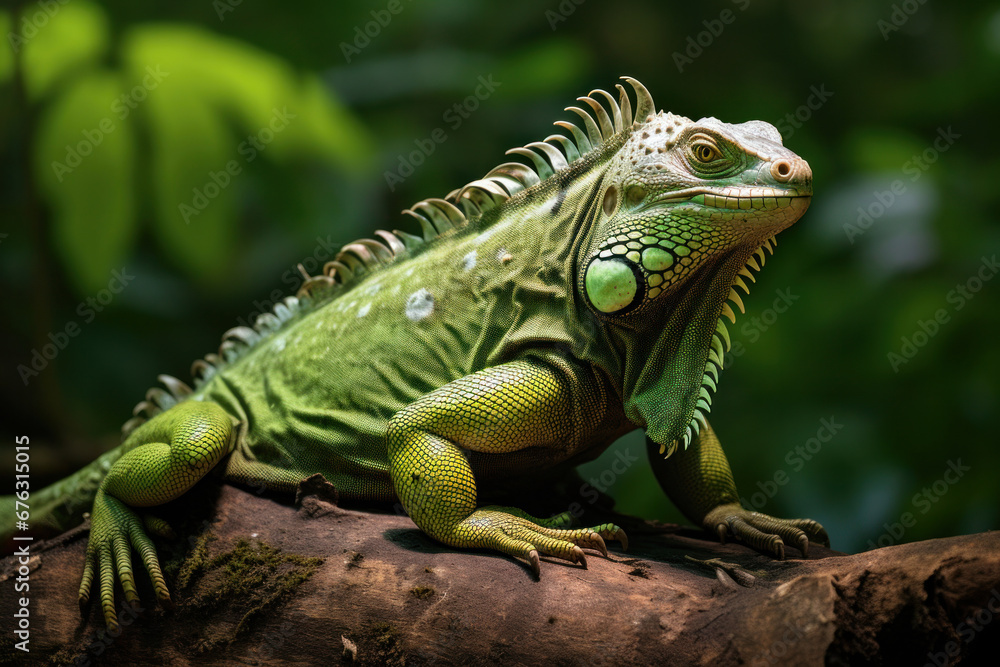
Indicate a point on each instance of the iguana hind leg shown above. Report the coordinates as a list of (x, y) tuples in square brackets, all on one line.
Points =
[(508, 408), (175, 449), (700, 483)]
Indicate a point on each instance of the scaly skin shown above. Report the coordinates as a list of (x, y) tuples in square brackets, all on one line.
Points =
[(500, 410), (180, 448), (562, 306)]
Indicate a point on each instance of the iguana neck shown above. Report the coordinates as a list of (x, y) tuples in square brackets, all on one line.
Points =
[(669, 379)]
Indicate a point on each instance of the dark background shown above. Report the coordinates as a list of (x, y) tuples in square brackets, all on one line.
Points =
[(894, 106)]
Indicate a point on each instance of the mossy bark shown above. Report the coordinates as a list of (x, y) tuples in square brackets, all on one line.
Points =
[(261, 582)]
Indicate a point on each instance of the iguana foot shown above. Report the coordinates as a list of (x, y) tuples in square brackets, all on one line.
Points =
[(561, 520), (115, 530), (521, 535), (765, 533)]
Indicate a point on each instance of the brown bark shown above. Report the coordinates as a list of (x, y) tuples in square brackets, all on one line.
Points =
[(387, 594)]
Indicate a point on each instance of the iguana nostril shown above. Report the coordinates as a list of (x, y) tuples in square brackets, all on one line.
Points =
[(781, 170), (784, 170)]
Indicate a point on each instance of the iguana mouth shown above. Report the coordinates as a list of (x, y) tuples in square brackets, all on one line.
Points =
[(757, 199), (746, 199)]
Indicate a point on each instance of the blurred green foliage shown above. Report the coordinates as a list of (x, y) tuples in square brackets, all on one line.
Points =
[(898, 227), (190, 92)]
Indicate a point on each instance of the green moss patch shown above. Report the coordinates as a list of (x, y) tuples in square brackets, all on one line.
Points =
[(249, 580)]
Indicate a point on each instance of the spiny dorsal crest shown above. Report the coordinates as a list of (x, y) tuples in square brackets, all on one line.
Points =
[(436, 216), (546, 158), (439, 216)]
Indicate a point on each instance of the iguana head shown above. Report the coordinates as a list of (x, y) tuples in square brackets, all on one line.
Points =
[(683, 194), (686, 206)]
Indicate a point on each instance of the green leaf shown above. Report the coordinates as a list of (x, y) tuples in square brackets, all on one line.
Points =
[(235, 78), (84, 163), (59, 39), (193, 190), (205, 84), (323, 129), (291, 115)]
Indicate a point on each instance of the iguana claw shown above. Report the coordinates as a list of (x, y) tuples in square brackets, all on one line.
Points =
[(598, 543), (536, 566), (765, 533), (804, 545)]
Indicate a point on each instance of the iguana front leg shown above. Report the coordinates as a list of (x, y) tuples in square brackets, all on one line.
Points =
[(500, 410), (174, 450), (699, 482)]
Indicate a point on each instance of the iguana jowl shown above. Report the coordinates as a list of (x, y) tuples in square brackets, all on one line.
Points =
[(547, 310)]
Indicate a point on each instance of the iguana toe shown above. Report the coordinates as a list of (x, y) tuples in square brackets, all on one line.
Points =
[(157, 526), (561, 520), (765, 533), (597, 542), (115, 532), (813, 530), (804, 545), (518, 534)]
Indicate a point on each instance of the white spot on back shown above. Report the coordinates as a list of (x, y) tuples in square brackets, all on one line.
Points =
[(419, 305), (469, 261), (364, 310), (279, 344), (485, 236), (372, 289)]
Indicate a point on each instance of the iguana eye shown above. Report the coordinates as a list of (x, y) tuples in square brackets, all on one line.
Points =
[(706, 152)]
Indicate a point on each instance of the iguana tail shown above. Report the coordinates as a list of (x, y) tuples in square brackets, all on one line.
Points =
[(59, 506)]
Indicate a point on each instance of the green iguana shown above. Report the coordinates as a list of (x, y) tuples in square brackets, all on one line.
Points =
[(546, 311)]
